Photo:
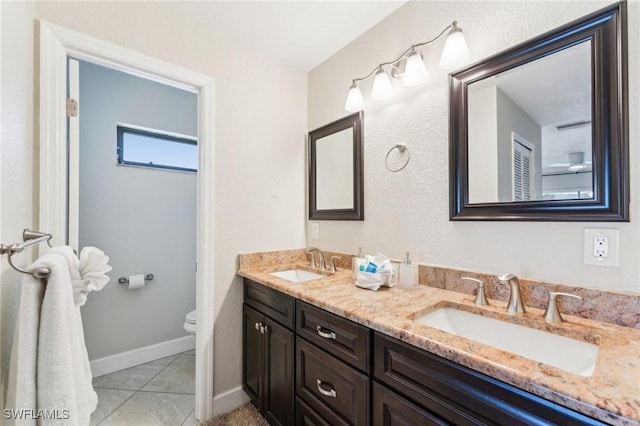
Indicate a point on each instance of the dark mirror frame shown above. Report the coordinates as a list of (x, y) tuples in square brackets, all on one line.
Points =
[(607, 31), (357, 212)]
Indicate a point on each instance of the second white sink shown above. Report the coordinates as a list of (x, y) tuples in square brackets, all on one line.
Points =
[(568, 354), (297, 275)]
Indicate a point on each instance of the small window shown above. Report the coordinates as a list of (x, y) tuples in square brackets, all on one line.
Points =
[(158, 150)]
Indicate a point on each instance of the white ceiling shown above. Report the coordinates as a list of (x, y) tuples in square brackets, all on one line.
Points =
[(302, 34)]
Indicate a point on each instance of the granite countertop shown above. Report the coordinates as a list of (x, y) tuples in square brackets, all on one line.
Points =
[(611, 394)]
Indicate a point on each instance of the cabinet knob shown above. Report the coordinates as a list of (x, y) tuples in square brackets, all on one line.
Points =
[(262, 328), (331, 392), (326, 334)]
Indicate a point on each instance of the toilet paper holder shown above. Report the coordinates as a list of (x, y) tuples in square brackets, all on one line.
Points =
[(125, 280)]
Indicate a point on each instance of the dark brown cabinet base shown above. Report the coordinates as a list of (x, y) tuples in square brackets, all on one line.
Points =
[(268, 352), (321, 375), (459, 395)]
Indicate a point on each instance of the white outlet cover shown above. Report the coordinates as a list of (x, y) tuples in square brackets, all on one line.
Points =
[(315, 230), (612, 235)]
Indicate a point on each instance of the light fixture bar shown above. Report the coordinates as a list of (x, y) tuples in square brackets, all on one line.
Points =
[(461, 53)]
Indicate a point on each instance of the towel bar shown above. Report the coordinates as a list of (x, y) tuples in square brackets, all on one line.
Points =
[(29, 238)]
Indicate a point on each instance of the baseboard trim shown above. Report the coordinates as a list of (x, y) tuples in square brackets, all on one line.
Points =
[(112, 363), (229, 400)]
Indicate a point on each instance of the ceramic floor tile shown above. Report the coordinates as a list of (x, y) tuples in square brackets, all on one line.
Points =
[(108, 401), (131, 378), (152, 409), (191, 420), (163, 361), (177, 377)]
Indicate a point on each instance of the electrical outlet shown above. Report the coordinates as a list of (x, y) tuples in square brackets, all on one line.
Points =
[(601, 246), (315, 230)]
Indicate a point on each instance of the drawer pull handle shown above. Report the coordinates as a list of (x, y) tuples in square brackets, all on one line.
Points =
[(327, 335), (332, 393), (258, 326)]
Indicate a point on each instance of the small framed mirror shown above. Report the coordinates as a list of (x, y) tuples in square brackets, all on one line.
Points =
[(336, 188), (540, 131)]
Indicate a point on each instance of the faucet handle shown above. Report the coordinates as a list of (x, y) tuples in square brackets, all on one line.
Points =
[(481, 297), (312, 260), (332, 263), (552, 314)]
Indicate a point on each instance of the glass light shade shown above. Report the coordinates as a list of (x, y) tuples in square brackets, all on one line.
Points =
[(382, 88), (455, 52), (354, 102), (415, 72)]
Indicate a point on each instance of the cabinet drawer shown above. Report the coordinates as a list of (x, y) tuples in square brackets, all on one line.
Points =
[(345, 339), (305, 416), (337, 392), (272, 303), (390, 409), (460, 395)]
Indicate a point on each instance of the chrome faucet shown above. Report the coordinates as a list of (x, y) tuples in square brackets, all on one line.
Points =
[(515, 304), (322, 264)]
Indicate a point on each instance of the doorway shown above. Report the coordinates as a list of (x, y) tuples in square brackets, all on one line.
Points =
[(56, 44), (137, 156)]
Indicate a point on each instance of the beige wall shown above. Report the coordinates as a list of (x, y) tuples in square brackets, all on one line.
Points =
[(409, 210), (260, 109)]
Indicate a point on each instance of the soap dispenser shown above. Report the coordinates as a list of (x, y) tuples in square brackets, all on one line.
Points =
[(407, 273), (358, 263)]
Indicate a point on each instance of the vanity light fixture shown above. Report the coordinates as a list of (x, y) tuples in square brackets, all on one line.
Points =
[(410, 68)]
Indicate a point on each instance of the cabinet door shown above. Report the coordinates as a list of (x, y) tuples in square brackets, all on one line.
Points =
[(279, 385), (252, 355)]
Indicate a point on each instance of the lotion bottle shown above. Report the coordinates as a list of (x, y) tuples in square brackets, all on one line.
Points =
[(407, 273), (358, 263)]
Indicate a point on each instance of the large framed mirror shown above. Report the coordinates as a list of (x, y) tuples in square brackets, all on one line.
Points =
[(336, 187), (540, 131)]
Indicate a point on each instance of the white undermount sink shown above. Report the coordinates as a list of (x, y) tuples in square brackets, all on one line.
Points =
[(297, 275), (568, 354)]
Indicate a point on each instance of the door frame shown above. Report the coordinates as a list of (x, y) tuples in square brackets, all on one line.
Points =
[(56, 43)]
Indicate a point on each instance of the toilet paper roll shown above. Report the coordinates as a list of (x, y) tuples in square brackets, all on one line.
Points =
[(136, 281)]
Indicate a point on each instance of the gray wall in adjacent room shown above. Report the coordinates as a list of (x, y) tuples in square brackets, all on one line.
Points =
[(144, 219)]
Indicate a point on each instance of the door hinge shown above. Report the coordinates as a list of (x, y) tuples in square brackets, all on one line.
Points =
[(72, 107)]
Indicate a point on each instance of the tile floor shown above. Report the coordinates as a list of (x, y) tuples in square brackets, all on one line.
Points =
[(160, 392)]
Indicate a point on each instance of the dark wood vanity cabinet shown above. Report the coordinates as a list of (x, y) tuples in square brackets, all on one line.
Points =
[(454, 394), (303, 365), (268, 353)]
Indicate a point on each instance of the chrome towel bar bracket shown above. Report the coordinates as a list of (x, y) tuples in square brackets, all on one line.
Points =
[(29, 238)]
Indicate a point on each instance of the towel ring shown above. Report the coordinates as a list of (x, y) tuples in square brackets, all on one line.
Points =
[(402, 149)]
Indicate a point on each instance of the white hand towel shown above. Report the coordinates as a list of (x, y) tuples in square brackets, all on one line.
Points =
[(80, 289), (49, 368), (89, 273), (94, 267)]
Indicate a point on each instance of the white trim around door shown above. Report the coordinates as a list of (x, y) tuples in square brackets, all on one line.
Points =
[(56, 44)]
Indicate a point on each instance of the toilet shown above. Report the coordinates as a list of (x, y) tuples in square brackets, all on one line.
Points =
[(190, 322)]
